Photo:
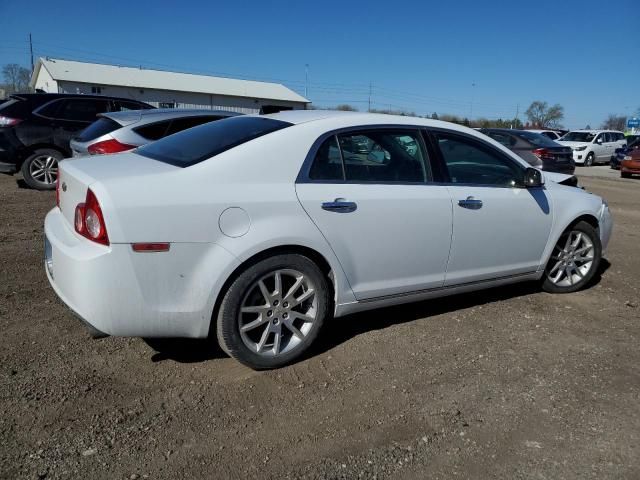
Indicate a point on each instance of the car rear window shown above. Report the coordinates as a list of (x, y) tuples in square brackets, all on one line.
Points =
[(196, 144), (15, 107), (100, 127), (536, 138)]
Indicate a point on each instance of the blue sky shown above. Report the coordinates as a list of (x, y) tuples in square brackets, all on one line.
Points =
[(418, 56)]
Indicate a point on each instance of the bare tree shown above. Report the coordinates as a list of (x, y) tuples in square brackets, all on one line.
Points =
[(16, 78), (541, 115), (346, 108), (615, 122)]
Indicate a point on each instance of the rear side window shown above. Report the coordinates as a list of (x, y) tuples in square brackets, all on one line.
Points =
[(100, 127), (205, 141), (153, 131), (14, 108), (180, 124)]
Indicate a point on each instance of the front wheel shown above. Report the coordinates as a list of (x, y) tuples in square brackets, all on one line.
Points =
[(574, 260), (40, 169), (273, 311), (588, 162)]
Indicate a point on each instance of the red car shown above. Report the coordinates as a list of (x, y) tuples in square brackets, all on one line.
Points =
[(630, 165)]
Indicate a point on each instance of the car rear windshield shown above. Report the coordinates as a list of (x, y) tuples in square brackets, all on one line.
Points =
[(537, 139), (205, 141), (14, 107), (100, 127), (578, 137)]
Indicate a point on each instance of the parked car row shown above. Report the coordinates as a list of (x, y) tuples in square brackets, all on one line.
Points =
[(38, 130)]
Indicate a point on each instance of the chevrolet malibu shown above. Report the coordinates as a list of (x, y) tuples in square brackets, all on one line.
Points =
[(257, 229)]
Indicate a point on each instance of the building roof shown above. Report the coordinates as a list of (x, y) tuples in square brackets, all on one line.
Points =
[(100, 74)]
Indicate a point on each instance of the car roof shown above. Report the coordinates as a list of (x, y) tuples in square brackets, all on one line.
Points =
[(128, 117)]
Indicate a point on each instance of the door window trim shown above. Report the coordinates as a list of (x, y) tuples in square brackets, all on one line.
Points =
[(305, 169)]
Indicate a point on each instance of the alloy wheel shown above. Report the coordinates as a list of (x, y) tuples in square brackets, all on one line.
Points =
[(278, 312), (44, 169), (572, 259)]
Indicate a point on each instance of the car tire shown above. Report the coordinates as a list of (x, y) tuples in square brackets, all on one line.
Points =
[(40, 169), (266, 323), (588, 162), (574, 260), (625, 175)]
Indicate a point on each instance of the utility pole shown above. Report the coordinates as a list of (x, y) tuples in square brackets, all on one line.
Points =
[(370, 88), (31, 49), (471, 110), (517, 111), (306, 80)]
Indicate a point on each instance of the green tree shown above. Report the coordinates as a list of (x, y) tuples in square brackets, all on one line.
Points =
[(541, 115), (434, 116), (346, 108)]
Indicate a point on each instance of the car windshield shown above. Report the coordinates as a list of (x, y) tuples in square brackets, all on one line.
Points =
[(197, 144), (578, 137), (536, 138)]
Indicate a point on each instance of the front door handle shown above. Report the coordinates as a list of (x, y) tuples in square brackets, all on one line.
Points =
[(340, 205), (470, 203)]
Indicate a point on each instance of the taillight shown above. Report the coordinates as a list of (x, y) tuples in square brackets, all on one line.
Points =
[(543, 153), (89, 221), (108, 146), (8, 121)]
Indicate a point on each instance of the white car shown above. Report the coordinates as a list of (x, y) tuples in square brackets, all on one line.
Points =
[(593, 146), (259, 228)]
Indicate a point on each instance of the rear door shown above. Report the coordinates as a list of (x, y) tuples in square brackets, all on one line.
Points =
[(370, 193), (499, 228)]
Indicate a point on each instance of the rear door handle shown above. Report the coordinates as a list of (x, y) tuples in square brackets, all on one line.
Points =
[(470, 203), (340, 205)]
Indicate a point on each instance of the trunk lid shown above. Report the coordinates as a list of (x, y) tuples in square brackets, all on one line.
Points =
[(78, 174)]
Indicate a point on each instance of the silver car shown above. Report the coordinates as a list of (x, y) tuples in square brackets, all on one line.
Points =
[(120, 131)]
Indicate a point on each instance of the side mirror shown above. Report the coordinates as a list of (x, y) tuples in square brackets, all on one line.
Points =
[(533, 178), (599, 141)]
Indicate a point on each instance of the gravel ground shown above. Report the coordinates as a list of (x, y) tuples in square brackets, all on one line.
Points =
[(506, 383)]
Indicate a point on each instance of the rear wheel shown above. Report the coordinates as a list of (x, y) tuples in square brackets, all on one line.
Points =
[(40, 169), (588, 162), (574, 260), (273, 311)]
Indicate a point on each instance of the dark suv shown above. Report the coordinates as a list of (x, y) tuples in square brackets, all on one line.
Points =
[(35, 129)]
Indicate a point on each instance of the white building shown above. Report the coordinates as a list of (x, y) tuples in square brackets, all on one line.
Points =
[(161, 88)]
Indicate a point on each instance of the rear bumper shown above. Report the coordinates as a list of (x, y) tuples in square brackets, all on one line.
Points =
[(119, 292)]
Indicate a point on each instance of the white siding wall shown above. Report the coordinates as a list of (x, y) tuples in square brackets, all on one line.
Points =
[(182, 99), (45, 81)]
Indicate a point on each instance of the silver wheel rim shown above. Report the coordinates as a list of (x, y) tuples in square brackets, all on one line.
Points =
[(44, 169), (589, 160), (572, 259), (278, 312)]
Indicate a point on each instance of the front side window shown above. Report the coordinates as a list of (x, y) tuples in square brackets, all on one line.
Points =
[(600, 138), (375, 156), (123, 106), (475, 163), (578, 137)]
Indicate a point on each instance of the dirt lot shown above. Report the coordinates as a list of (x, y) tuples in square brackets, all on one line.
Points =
[(508, 383)]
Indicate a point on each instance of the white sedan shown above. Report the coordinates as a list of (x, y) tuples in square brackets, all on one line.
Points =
[(257, 229)]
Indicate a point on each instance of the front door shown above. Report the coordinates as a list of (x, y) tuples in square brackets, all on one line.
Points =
[(369, 194), (499, 228)]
